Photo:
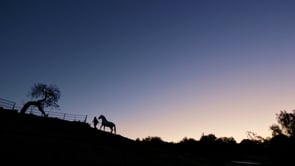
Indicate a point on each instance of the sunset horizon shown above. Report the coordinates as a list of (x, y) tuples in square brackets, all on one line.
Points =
[(171, 69)]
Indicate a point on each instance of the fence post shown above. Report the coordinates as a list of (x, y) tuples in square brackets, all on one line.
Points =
[(13, 106), (85, 119)]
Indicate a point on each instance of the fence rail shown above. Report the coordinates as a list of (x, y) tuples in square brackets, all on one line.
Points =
[(60, 115), (7, 104)]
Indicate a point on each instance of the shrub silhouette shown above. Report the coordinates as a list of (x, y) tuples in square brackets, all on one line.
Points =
[(286, 124)]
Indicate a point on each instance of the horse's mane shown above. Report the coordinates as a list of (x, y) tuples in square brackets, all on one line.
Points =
[(103, 117)]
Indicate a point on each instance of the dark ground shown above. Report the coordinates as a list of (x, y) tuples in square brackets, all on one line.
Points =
[(33, 140)]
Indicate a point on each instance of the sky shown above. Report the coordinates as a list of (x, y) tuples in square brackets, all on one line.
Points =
[(165, 68)]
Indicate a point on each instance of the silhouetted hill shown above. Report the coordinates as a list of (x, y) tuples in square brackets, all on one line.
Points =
[(46, 141)]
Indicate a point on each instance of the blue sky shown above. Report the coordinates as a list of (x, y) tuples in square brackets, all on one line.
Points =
[(171, 69)]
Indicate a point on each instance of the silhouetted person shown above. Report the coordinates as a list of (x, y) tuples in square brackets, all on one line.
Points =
[(95, 122)]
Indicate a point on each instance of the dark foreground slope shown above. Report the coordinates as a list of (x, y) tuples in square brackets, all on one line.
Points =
[(33, 140), (49, 141)]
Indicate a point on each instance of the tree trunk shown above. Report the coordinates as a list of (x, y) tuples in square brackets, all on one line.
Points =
[(33, 103)]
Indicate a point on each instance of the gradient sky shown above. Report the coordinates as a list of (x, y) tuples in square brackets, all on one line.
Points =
[(171, 69)]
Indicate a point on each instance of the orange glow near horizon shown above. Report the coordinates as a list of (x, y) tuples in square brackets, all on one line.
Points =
[(227, 110)]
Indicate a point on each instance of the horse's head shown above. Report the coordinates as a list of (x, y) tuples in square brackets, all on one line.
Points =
[(101, 117)]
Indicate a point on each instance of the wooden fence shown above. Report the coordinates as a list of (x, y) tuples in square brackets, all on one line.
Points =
[(10, 105)]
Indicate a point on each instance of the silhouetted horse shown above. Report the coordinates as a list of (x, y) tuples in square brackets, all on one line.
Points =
[(106, 123)]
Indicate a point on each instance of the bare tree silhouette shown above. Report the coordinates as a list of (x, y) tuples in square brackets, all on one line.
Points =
[(49, 95)]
